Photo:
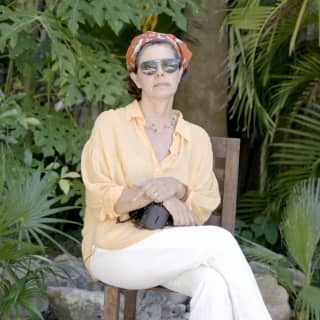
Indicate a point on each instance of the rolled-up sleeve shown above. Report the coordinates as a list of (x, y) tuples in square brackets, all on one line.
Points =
[(204, 195), (102, 193)]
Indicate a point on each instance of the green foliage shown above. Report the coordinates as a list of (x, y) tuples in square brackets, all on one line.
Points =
[(264, 42), (301, 233), (274, 72), (280, 265), (67, 54), (119, 13), (261, 229), (302, 218), (27, 215), (50, 141), (274, 67), (58, 135), (13, 122), (308, 303), (73, 69), (67, 57)]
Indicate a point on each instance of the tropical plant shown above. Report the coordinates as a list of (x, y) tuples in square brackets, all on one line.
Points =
[(274, 61), (13, 122), (62, 63), (27, 216), (73, 50), (301, 234), (301, 230)]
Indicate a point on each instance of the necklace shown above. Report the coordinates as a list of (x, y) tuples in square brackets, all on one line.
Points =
[(170, 124)]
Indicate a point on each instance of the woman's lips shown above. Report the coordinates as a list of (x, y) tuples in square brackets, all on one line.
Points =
[(162, 84)]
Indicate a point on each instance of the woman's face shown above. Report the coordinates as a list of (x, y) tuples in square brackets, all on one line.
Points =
[(161, 84)]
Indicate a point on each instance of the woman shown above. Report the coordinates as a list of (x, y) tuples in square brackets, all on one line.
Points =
[(146, 152)]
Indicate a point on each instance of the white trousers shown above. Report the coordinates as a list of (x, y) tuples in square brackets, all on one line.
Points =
[(203, 262)]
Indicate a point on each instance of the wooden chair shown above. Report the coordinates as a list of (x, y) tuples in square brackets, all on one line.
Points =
[(226, 164)]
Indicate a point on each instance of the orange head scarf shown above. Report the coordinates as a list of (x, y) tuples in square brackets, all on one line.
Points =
[(139, 41)]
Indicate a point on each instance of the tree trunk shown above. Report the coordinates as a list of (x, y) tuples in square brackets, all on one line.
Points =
[(202, 96)]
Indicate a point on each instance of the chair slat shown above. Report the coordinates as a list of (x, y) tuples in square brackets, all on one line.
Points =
[(219, 147), (230, 185), (219, 173)]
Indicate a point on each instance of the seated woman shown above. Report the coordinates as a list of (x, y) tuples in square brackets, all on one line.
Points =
[(146, 152)]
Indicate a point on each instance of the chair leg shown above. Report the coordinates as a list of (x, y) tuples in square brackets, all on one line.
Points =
[(130, 304), (111, 303)]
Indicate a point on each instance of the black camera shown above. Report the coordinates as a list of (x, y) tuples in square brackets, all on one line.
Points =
[(153, 216)]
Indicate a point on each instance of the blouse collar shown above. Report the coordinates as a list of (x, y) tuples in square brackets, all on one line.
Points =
[(134, 112)]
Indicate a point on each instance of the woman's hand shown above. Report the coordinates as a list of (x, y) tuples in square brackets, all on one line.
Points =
[(161, 189), (181, 215)]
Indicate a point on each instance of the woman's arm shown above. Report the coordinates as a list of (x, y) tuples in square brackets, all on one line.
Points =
[(181, 214), (156, 189), (131, 199), (163, 188)]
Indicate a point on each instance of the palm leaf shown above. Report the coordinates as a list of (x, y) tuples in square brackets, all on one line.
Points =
[(259, 50), (19, 294), (302, 146), (302, 218), (280, 264), (302, 83), (27, 215), (30, 205), (308, 303)]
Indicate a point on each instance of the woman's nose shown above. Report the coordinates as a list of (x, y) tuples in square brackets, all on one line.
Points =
[(160, 71)]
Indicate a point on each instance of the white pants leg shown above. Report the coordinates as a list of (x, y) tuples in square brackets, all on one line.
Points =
[(204, 262), (209, 292)]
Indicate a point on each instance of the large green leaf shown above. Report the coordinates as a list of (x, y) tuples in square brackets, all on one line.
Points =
[(308, 303), (12, 22), (301, 226), (120, 13), (59, 135)]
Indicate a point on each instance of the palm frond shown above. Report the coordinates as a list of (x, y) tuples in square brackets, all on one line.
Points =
[(279, 264), (283, 182), (259, 51), (302, 146), (30, 205), (308, 303), (19, 294), (27, 216), (301, 227), (302, 83), (252, 202)]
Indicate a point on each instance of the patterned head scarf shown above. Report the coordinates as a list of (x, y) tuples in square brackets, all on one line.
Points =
[(139, 41)]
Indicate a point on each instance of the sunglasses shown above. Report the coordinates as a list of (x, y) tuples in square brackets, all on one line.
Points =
[(150, 67)]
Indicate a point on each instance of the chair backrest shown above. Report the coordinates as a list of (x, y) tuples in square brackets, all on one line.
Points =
[(226, 168)]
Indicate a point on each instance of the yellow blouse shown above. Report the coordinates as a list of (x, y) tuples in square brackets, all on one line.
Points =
[(119, 154)]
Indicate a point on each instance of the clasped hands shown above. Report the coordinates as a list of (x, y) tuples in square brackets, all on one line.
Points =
[(169, 191)]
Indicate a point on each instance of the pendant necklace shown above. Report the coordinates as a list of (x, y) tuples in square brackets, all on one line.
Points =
[(168, 125)]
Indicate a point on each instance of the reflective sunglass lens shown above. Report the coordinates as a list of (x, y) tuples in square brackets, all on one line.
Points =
[(170, 65), (149, 67)]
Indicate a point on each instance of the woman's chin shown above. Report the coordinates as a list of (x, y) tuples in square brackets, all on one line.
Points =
[(163, 92)]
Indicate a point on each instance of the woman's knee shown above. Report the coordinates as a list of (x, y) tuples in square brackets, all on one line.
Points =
[(209, 280), (219, 235)]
